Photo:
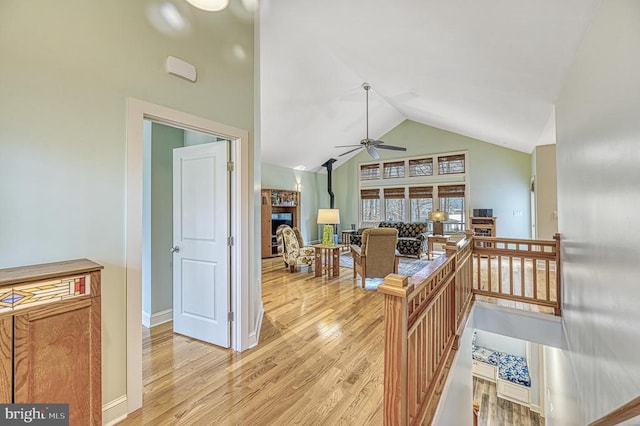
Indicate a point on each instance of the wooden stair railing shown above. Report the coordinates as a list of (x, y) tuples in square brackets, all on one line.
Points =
[(526, 271), (423, 321), (628, 411), (424, 315)]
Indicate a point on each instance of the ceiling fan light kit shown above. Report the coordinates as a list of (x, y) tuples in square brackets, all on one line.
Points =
[(369, 144)]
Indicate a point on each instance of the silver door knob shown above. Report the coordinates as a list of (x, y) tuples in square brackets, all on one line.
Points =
[(175, 249)]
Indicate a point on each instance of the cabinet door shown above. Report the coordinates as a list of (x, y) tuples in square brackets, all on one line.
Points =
[(57, 358), (6, 359)]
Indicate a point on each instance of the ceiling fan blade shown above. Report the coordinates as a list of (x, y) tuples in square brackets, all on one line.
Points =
[(372, 152), (350, 151), (391, 147), (347, 146), (376, 143)]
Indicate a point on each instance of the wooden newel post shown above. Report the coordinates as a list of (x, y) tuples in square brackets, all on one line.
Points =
[(468, 234), (396, 318), (451, 248), (558, 310)]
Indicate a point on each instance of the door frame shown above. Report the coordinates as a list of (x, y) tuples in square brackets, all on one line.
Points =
[(137, 112)]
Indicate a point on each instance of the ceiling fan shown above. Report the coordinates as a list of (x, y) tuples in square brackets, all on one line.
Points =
[(370, 144)]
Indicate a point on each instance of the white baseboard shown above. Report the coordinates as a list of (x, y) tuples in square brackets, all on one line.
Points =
[(254, 337), (146, 319), (161, 317), (536, 409), (158, 318), (114, 411)]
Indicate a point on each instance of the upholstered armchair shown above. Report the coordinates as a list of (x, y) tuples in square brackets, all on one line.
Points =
[(291, 249), (376, 257)]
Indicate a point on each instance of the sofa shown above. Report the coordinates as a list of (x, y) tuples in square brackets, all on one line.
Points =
[(412, 237)]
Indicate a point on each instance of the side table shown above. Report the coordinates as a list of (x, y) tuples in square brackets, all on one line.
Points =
[(331, 262), (346, 238), (435, 239)]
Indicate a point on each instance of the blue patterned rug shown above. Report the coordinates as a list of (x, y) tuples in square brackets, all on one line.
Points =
[(407, 266)]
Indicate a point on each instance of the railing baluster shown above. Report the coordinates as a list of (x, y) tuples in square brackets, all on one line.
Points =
[(548, 279), (477, 258), (411, 373), (535, 279), (499, 273), (511, 275), (489, 273), (522, 277)]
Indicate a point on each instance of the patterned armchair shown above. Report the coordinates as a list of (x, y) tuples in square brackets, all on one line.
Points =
[(290, 249)]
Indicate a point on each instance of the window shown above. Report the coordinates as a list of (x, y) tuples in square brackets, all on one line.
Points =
[(421, 167), (451, 199), (369, 171), (394, 170), (421, 199), (450, 164), (394, 204), (370, 203), (408, 189)]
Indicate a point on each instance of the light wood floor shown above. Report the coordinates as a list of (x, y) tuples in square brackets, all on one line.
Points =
[(319, 362), (496, 411)]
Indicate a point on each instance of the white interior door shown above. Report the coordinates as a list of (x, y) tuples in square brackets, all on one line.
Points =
[(201, 282)]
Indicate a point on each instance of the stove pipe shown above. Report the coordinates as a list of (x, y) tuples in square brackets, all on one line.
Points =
[(329, 165)]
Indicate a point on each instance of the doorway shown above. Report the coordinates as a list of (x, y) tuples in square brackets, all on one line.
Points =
[(182, 279), (137, 112)]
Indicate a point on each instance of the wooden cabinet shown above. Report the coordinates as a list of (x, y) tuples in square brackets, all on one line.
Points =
[(483, 226), (51, 337), (278, 206), (6, 360)]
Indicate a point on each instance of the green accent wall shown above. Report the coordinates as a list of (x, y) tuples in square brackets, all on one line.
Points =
[(498, 177), (164, 139), (67, 71)]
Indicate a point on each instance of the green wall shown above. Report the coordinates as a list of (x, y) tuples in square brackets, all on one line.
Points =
[(67, 71), (313, 193), (164, 140), (498, 177), (157, 267)]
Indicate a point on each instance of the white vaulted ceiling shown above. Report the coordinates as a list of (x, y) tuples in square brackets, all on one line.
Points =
[(488, 69)]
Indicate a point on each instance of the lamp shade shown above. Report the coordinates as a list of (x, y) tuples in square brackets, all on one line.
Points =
[(328, 216), (438, 216), (210, 5)]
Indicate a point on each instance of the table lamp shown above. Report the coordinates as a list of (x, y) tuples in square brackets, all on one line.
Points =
[(437, 217), (328, 218)]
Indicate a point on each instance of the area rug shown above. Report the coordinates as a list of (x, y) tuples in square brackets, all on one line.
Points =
[(407, 266)]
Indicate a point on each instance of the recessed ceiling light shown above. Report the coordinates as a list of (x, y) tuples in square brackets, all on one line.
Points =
[(210, 5)]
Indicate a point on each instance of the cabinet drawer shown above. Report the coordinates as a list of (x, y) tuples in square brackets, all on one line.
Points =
[(483, 370), (513, 392)]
